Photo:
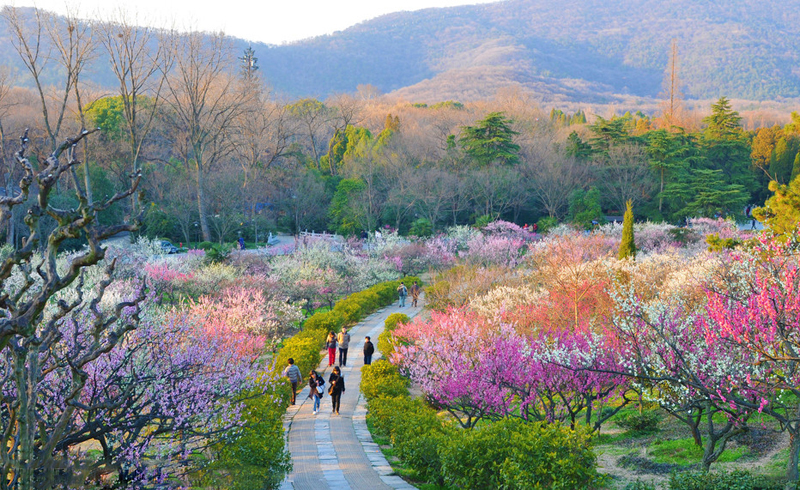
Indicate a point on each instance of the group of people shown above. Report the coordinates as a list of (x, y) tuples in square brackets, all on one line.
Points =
[(403, 292), (316, 383)]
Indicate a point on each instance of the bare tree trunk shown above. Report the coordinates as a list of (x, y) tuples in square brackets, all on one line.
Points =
[(201, 204)]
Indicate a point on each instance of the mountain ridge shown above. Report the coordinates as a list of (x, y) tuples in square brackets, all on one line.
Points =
[(586, 51)]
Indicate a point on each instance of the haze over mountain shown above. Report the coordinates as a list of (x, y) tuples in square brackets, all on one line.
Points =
[(572, 50)]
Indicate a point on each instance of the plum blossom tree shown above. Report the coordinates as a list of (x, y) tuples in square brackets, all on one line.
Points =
[(32, 340), (479, 368)]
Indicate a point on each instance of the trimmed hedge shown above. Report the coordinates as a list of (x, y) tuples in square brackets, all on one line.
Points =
[(395, 319), (385, 339), (382, 379), (512, 453), (329, 321), (304, 348), (415, 430)]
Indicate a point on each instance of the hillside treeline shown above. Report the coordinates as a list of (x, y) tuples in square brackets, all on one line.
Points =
[(221, 156)]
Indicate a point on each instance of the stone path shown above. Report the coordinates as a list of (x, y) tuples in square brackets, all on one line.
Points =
[(337, 451)]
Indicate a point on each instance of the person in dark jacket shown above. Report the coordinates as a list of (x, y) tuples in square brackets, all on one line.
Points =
[(369, 349), (336, 389), (315, 389)]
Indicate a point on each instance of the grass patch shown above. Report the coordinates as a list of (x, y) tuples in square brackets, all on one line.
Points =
[(602, 439), (685, 452)]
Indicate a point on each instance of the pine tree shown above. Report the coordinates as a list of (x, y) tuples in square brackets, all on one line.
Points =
[(491, 141), (249, 62), (627, 248)]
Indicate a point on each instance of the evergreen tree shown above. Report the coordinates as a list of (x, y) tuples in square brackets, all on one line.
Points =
[(627, 247), (490, 141), (781, 212), (724, 122), (584, 208), (575, 147), (795, 167), (609, 132), (249, 63)]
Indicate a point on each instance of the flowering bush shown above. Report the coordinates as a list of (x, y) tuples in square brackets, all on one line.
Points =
[(245, 315)]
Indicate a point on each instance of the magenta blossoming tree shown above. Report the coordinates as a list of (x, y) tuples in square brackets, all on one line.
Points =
[(757, 312), (483, 369)]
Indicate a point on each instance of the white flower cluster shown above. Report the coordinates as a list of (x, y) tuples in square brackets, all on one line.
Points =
[(504, 298)]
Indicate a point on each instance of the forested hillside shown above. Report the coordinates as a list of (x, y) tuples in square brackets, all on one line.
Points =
[(576, 49), (587, 51)]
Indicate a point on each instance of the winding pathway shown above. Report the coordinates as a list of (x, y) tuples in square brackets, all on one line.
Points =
[(337, 451)]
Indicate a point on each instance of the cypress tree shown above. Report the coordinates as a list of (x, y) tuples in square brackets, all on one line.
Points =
[(627, 248)]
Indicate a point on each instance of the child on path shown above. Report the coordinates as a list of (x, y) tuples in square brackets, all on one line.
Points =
[(315, 388), (369, 349), (331, 344), (293, 373), (336, 389)]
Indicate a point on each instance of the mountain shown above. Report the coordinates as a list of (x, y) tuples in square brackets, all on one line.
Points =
[(591, 50)]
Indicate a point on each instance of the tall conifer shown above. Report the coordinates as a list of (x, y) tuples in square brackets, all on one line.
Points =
[(627, 248)]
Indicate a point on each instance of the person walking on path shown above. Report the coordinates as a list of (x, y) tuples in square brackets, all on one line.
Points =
[(415, 290), (344, 343), (293, 373), (369, 349), (316, 387), (336, 389), (330, 344), (402, 291)]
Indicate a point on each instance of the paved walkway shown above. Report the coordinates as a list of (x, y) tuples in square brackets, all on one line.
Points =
[(337, 451)]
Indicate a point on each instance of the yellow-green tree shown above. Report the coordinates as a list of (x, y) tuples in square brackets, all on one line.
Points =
[(781, 212), (627, 247)]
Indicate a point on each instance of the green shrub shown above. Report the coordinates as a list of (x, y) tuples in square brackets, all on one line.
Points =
[(545, 224), (394, 319), (256, 457), (386, 342), (329, 321), (217, 254), (421, 227), (205, 245), (367, 299), (350, 309), (304, 349), (415, 431), (511, 453), (382, 379), (737, 480), (386, 291), (483, 221), (639, 485), (644, 423)]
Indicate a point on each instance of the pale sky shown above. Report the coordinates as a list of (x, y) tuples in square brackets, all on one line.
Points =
[(270, 21)]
